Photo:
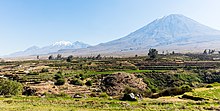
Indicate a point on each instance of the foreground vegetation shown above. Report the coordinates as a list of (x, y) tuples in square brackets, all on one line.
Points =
[(65, 103), (161, 82)]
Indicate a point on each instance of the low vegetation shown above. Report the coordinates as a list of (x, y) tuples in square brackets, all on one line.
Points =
[(155, 82)]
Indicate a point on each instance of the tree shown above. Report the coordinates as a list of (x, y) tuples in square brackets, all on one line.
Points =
[(59, 56), (38, 57), (60, 81), (152, 53), (98, 57), (88, 83), (69, 58), (136, 56), (9, 87), (205, 52), (50, 57)]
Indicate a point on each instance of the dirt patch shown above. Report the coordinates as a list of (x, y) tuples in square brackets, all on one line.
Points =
[(116, 84)]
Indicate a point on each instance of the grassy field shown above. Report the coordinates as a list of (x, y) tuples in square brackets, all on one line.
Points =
[(33, 103), (92, 104)]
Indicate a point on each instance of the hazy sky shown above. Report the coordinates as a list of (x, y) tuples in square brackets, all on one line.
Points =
[(24, 23)]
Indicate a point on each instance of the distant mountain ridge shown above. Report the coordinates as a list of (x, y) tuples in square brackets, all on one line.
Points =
[(34, 50), (173, 32)]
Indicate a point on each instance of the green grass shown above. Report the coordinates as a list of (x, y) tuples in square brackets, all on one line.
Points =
[(208, 93), (98, 104)]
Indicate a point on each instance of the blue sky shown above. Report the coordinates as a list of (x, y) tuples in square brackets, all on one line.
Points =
[(25, 23)]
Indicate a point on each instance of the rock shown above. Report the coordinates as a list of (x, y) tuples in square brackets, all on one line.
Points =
[(76, 96), (110, 98), (129, 97)]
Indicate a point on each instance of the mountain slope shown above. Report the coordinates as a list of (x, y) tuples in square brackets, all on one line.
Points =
[(50, 49), (173, 32)]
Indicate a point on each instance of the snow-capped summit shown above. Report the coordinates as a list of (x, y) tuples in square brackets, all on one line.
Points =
[(64, 43), (61, 45), (177, 25)]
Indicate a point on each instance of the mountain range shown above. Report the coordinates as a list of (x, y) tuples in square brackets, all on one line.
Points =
[(34, 50), (174, 32)]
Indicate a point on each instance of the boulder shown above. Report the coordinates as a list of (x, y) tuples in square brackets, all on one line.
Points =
[(129, 97), (77, 96)]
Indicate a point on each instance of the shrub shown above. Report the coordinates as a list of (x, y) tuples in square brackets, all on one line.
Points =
[(29, 91), (193, 97), (209, 86), (33, 73), (93, 94), (58, 76), (9, 87), (186, 88), (44, 70), (103, 95), (154, 90), (76, 82), (89, 83), (62, 95), (60, 81), (172, 92), (129, 90)]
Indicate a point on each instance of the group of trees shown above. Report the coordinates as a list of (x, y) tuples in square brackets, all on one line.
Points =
[(70, 58), (59, 57), (209, 51), (152, 53)]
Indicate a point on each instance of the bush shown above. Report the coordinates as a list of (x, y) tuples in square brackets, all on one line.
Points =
[(89, 83), (186, 88), (154, 90), (29, 91), (61, 95), (129, 90), (44, 70), (193, 97), (76, 82), (58, 76), (172, 92), (103, 95), (9, 87), (60, 81), (209, 86), (33, 73)]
